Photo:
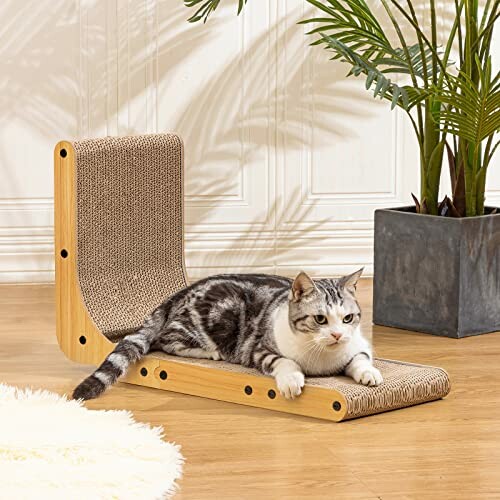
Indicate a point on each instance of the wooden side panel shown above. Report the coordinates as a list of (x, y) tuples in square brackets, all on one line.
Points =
[(77, 335), (235, 387)]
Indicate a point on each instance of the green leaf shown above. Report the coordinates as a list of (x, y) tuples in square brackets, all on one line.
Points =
[(470, 110), (383, 87), (206, 7), (353, 24), (369, 80), (396, 93)]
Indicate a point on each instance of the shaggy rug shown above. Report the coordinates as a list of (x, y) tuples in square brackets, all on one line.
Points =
[(54, 448)]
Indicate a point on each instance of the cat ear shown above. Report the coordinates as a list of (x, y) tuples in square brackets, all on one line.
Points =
[(349, 282), (302, 285)]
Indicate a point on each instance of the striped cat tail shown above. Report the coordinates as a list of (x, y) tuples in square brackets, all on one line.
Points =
[(129, 350)]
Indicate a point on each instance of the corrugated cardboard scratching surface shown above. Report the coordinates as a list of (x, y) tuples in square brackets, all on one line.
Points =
[(129, 227)]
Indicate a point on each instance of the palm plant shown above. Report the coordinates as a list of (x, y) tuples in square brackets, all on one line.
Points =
[(453, 106)]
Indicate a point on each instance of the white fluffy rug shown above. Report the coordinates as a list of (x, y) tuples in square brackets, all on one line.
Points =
[(54, 448)]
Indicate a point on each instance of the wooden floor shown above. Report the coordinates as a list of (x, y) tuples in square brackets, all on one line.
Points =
[(448, 449)]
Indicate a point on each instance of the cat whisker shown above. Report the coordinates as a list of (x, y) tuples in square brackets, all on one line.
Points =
[(319, 351), (314, 353), (311, 346)]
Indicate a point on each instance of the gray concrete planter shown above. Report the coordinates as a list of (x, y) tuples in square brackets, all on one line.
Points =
[(437, 275)]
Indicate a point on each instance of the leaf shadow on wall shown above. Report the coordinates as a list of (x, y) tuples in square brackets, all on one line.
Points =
[(41, 82), (38, 79), (243, 115), (257, 250), (242, 100)]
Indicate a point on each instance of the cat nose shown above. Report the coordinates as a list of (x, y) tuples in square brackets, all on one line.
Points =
[(336, 335)]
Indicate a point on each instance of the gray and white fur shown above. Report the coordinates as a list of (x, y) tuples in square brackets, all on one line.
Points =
[(282, 327)]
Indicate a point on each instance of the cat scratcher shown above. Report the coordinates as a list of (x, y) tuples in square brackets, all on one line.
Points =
[(119, 253)]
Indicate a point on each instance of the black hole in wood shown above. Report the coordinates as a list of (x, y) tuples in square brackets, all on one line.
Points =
[(64, 253), (248, 390), (336, 406), (63, 153), (271, 394), (82, 340), (144, 371), (163, 375)]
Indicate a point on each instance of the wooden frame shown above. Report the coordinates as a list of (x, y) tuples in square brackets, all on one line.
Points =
[(81, 340)]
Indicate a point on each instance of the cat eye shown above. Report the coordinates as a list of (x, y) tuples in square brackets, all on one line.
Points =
[(348, 318), (320, 319)]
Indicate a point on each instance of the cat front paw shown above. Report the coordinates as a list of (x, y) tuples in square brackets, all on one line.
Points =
[(369, 376), (290, 384), (216, 356)]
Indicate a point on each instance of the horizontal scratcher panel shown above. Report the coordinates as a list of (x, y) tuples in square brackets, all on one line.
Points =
[(129, 227), (405, 384)]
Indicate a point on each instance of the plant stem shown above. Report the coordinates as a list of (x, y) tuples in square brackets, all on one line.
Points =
[(433, 157), (458, 10), (480, 188), (471, 154), (420, 43), (434, 42)]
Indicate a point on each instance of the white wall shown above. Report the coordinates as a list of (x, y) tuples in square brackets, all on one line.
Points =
[(286, 159)]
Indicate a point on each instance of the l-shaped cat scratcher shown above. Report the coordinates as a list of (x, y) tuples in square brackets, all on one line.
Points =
[(119, 253)]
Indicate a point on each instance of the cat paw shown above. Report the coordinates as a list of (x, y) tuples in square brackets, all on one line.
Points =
[(369, 376), (290, 384), (216, 356)]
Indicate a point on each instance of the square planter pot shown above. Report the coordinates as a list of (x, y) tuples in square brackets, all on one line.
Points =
[(437, 275)]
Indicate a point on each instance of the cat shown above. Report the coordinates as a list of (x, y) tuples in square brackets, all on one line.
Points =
[(282, 327)]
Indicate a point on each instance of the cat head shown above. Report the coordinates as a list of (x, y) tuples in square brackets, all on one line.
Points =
[(326, 310)]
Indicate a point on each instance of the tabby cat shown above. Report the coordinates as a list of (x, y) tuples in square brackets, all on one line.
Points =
[(282, 327)]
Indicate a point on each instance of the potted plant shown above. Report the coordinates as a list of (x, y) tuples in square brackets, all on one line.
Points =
[(437, 263)]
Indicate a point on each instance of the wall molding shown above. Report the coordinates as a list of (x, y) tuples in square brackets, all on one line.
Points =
[(27, 252), (26, 240)]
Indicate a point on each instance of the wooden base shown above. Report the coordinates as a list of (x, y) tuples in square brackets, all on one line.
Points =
[(234, 387)]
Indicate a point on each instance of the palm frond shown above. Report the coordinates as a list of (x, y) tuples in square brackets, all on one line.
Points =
[(352, 24), (206, 7), (471, 111), (420, 63), (383, 87)]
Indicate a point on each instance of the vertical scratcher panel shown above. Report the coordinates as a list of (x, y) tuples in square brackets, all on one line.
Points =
[(129, 227)]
